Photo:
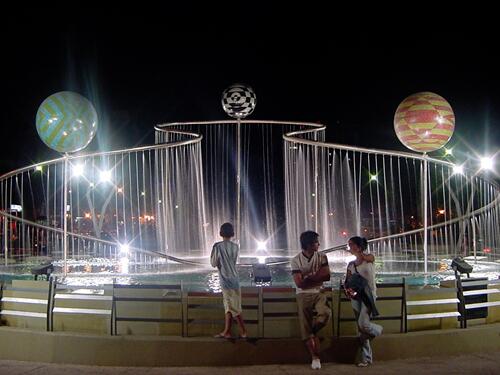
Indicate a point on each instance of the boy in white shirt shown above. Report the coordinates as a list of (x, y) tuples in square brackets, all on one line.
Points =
[(310, 269)]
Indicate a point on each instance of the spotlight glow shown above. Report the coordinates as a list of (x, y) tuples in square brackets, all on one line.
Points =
[(487, 163), (373, 177), (124, 264), (458, 169), (261, 246), (38, 168), (105, 176), (77, 170), (448, 151), (124, 249), (262, 259)]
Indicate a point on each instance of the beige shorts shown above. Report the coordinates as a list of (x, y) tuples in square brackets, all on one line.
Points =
[(314, 312), (232, 301)]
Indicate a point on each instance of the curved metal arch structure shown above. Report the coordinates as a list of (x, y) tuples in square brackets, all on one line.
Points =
[(167, 201)]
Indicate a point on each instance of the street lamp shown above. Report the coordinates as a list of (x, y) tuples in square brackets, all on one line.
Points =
[(487, 163), (77, 170), (458, 169)]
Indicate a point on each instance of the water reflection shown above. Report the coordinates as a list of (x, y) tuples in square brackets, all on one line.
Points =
[(99, 271), (213, 282)]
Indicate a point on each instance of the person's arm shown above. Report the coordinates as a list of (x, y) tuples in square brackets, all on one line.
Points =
[(347, 291), (323, 274), (314, 280), (214, 257), (297, 274), (237, 254), (370, 258), (298, 279), (304, 282)]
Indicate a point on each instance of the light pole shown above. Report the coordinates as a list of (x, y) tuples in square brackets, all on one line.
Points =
[(425, 181), (65, 210), (238, 181), (238, 101)]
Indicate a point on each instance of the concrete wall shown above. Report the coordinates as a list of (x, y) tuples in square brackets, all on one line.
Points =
[(56, 347), (269, 312)]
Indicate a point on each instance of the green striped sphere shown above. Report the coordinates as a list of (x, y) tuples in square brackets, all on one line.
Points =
[(66, 121)]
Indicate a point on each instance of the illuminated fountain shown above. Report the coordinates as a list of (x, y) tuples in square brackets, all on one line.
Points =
[(158, 209)]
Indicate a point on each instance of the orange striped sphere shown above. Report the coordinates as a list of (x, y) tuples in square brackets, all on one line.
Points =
[(424, 122)]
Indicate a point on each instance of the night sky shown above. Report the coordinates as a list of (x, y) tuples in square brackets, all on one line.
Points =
[(139, 72)]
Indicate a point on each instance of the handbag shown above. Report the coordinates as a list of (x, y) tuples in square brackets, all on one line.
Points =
[(356, 283)]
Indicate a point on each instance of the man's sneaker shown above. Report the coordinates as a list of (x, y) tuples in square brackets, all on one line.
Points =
[(363, 364), (316, 364)]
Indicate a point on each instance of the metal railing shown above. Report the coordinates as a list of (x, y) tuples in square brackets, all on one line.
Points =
[(166, 201)]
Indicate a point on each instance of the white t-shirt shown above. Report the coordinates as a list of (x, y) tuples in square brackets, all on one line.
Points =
[(367, 270), (309, 266)]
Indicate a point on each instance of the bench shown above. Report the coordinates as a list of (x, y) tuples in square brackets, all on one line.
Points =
[(71, 303), (280, 312), (137, 306), (390, 304), (25, 304), (434, 304), (205, 312), (477, 293)]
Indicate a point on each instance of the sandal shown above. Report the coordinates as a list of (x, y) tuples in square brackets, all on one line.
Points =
[(221, 336)]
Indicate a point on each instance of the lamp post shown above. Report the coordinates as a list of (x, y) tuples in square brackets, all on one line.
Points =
[(238, 181), (425, 181), (65, 209), (67, 123), (424, 122), (238, 101)]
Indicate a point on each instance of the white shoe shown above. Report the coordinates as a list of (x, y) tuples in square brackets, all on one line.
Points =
[(316, 364), (363, 364)]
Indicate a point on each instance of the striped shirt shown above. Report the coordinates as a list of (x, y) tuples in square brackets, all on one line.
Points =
[(309, 266)]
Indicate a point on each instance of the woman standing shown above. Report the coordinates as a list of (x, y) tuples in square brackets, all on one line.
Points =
[(362, 292)]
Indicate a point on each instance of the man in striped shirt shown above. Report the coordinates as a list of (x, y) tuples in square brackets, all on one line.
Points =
[(310, 269)]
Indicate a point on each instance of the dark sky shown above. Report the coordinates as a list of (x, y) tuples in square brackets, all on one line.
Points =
[(139, 72)]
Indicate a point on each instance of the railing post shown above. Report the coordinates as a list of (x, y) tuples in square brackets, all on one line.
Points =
[(461, 298), (339, 307), (51, 302), (113, 309), (403, 307), (474, 247), (184, 302), (405, 289), (261, 313), (5, 241)]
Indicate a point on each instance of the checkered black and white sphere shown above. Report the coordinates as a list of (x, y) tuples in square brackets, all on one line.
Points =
[(239, 100)]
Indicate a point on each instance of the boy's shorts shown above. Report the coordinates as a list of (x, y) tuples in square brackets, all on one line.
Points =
[(232, 301)]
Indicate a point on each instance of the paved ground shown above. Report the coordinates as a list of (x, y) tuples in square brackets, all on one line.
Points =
[(483, 364)]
